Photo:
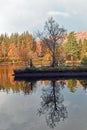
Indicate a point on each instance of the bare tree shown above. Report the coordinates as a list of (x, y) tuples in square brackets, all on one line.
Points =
[(52, 36)]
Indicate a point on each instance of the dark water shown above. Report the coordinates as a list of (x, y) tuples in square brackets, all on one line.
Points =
[(42, 105)]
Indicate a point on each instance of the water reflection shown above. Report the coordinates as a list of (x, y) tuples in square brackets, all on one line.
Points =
[(84, 83), (8, 83), (52, 104), (72, 84), (25, 87)]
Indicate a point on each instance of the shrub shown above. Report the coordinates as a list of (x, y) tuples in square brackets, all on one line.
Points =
[(30, 68), (84, 61)]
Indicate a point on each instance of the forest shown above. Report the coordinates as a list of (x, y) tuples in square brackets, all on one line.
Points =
[(22, 47), (16, 47)]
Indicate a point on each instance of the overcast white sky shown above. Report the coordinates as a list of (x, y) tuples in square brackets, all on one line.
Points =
[(22, 15)]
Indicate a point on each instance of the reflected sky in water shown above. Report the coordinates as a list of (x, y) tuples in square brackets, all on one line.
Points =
[(20, 111), (40, 105)]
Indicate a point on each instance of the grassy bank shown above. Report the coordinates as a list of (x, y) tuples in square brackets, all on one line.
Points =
[(52, 69)]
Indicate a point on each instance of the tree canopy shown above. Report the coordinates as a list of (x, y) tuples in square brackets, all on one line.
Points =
[(52, 36), (72, 47), (17, 46)]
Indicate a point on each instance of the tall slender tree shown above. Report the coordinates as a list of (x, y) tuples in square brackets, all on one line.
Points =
[(52, 36), (72, 47)]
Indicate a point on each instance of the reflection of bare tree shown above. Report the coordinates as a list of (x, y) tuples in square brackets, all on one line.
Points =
[(52, 104)]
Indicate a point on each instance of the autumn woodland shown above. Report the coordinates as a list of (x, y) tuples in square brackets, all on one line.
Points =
[(22, 47)]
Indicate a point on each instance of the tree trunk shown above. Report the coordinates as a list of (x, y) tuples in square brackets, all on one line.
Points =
[(53, 61), (31, 64)]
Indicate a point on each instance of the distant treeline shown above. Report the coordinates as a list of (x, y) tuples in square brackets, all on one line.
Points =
[(22, 47), (17, 47), (74, 50)]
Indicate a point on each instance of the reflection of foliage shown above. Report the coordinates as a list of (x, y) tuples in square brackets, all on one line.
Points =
[(7, 82), (84, 83), (52, 105), (28, 88), (72, 85), (25, 87)]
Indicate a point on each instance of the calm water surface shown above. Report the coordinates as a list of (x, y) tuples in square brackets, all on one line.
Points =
[(42, 105)]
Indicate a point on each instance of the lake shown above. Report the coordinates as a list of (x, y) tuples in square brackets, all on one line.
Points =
[(42, 105)]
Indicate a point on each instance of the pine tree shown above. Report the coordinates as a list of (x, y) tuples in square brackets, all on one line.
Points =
[(72, 47)]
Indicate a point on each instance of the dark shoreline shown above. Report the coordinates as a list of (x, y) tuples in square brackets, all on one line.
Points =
[(35, 75)]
